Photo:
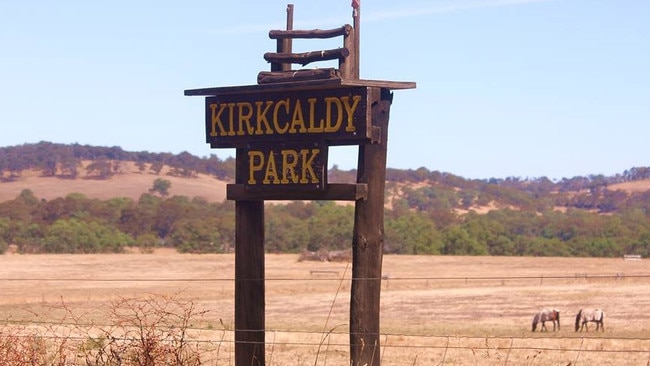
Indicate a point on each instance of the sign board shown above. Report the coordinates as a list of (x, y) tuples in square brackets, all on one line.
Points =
[(338, 116), (297, 165)]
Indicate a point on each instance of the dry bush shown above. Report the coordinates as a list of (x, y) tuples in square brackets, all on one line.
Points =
[(146, 332), (149, 331), (21, 345)]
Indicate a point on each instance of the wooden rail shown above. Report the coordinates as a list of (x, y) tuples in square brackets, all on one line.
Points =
[(334, 192), (281, 61), (266, 77), (313, 33), (305, 58)]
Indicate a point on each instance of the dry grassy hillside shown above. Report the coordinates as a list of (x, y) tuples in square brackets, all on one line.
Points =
[(630, 187), (129, 182)]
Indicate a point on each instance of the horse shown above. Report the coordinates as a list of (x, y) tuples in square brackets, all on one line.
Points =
[(552, 315), (584, 316)]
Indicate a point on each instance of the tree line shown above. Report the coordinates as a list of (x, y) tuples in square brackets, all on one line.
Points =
[(427, 212), (64, 161), (77, 224)]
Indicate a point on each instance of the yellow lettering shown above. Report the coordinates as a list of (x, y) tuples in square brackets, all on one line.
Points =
[(216, 120), (245, 117), (231, 119), (276, 122), (297, 119), (289, 163), (307, 166), (254, 167), (331, 102), (295, 113), (290, 166), (261, 117), (313, 128), (271, 171), (349, 109)]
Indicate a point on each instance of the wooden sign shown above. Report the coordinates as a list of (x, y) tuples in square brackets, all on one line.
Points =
[(286, 166), (338, 116)]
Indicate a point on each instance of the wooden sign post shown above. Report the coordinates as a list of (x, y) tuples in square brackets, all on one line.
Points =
[(281, 129)]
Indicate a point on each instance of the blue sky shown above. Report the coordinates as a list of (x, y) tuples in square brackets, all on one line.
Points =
[(505, 88)]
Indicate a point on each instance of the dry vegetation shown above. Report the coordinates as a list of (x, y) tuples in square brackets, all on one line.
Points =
[(435, 310), (631, 187), (129, 182)]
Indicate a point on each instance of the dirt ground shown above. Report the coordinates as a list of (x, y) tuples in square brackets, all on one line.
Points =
[(435, 310)]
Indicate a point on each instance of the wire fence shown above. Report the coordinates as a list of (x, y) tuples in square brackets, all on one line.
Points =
[(540, 278), (421, 349), (416, 348)]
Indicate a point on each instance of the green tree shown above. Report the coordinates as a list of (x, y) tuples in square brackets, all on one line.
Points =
[(21, 208), (76, 236), (146, 242), (169, 212), (412, 233), (457, 241), (156, 167), (101, 169), (161, 186), (5, 233), (196, 236), (331, 227), (139, 219), (285, 233)]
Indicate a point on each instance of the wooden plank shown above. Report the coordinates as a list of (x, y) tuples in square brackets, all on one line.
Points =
[(266, 77), (249, 280), (300, 86), (368, 242), (337, 116), (333, 192)]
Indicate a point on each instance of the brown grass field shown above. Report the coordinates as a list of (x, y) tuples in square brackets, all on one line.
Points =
[(435, 310), (130, 183)]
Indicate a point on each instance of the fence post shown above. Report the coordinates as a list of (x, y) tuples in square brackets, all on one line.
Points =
[(249, 278), (368, 241)]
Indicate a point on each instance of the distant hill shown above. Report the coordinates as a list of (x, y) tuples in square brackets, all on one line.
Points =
[(129, 182), (58, 198), (55, 170)]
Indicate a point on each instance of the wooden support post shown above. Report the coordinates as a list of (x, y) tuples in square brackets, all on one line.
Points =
[(287, 45), (368, 241), (347, 65), (249, 279), (284, 45), (356, 23)]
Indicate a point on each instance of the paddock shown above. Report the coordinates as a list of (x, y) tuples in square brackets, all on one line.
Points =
[(433, 308)]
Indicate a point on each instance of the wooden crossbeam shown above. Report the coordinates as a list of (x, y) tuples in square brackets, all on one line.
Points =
[(312, 33), (305, 58)]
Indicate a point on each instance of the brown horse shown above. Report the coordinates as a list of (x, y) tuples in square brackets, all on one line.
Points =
[(584, 316), (547, 315)]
